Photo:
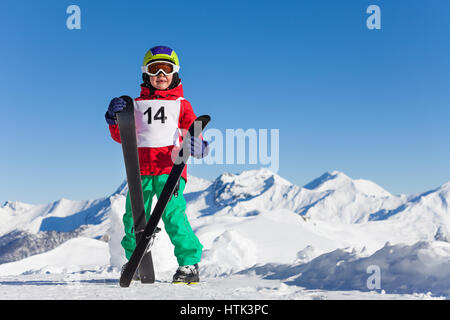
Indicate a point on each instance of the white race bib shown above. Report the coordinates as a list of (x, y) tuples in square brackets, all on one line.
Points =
[(157, 122)]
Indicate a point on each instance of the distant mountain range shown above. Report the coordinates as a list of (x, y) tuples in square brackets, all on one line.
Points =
[(336, 211), (323, 235)]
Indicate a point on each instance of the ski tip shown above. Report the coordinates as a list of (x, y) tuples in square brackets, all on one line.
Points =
[(204, 118), (129, 101), (127, 98)]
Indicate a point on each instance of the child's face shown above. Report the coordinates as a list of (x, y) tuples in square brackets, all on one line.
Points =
[(161, 81)]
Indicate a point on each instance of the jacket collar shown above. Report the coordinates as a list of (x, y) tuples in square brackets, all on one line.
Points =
[(172, 94)]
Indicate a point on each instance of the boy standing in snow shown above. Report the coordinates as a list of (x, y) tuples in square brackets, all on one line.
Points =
[(159, 131)]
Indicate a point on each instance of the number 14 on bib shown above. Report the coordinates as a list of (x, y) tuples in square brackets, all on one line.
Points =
[(157, 123)]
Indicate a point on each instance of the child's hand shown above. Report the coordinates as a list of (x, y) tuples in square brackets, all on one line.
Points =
[(199, 148), (116, 105)]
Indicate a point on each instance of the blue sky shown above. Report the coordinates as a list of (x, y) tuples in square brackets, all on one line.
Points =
[(373, 104)]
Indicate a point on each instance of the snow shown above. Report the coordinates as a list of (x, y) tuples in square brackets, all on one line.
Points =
[(263, 237), (405, 269), (103, 285), (73, 255)]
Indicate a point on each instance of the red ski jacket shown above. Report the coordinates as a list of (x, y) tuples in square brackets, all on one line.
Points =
[(157, 161)]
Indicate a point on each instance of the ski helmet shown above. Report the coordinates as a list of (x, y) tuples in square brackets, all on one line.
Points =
[(161, 53)]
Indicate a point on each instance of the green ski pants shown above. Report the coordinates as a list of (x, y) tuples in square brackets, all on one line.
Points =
[(188, 249)]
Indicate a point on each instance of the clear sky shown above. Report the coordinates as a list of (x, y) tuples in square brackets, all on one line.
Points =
[(373, 104)]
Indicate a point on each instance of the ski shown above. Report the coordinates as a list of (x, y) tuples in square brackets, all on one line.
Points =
[(127, 128), (175, 174)]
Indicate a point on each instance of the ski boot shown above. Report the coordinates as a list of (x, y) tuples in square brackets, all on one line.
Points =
[(187, 274)]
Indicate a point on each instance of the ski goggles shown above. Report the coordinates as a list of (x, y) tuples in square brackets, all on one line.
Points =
[(156, 67)]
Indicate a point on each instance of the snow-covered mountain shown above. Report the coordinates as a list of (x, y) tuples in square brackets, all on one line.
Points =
[(256, 222)]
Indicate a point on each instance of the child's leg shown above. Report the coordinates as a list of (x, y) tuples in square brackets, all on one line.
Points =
[(129, 240), (188, 249)]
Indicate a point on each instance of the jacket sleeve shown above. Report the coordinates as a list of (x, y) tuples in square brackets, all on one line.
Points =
[(115, 134), (187, 116)]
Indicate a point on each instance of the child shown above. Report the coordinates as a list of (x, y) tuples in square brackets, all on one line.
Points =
[(160, 112)]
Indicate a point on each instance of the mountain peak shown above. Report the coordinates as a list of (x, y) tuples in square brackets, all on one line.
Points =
[(16, 206), (252, 179), (232, 188), (326, 177), (336, 180)]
